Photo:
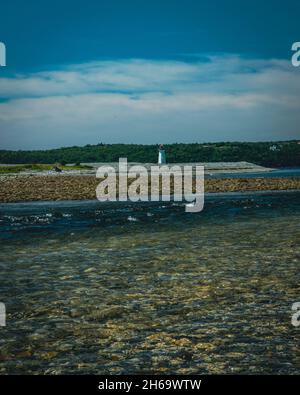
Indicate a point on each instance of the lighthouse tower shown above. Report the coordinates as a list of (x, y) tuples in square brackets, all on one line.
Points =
[(161, 155)]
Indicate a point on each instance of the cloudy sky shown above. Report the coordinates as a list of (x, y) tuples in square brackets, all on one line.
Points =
[(148, 72)]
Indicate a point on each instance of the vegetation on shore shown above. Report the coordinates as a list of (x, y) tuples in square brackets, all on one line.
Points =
[(40, 167), (272, 154)]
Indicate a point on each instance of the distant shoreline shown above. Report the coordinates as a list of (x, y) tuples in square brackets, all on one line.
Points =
[(264, 153)]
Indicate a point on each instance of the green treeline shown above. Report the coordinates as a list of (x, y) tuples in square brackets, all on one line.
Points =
[(277, 154)]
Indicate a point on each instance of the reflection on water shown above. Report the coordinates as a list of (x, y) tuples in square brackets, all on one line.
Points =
[(95, 288)]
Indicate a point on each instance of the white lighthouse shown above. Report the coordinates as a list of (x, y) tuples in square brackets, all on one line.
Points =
[(161, 155)]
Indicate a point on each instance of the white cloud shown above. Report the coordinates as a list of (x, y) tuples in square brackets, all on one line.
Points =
[(144, 101)]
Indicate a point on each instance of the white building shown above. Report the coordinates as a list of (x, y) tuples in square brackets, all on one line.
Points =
[(161, 155)]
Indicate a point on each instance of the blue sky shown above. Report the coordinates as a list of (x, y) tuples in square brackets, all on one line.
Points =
[(81, 72)]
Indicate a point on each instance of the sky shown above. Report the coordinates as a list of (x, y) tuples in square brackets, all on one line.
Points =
[(148, 71)]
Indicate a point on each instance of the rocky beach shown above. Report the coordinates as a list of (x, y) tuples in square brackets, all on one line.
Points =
[(29, 187)]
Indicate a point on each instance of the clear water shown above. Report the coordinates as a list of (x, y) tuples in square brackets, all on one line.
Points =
[(277, 173), (147, 288)]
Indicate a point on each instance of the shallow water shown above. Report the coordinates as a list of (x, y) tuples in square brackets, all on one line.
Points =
[(147, 288), (276, 173)]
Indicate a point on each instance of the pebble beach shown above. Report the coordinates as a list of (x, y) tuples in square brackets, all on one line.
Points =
[(22, 188)]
